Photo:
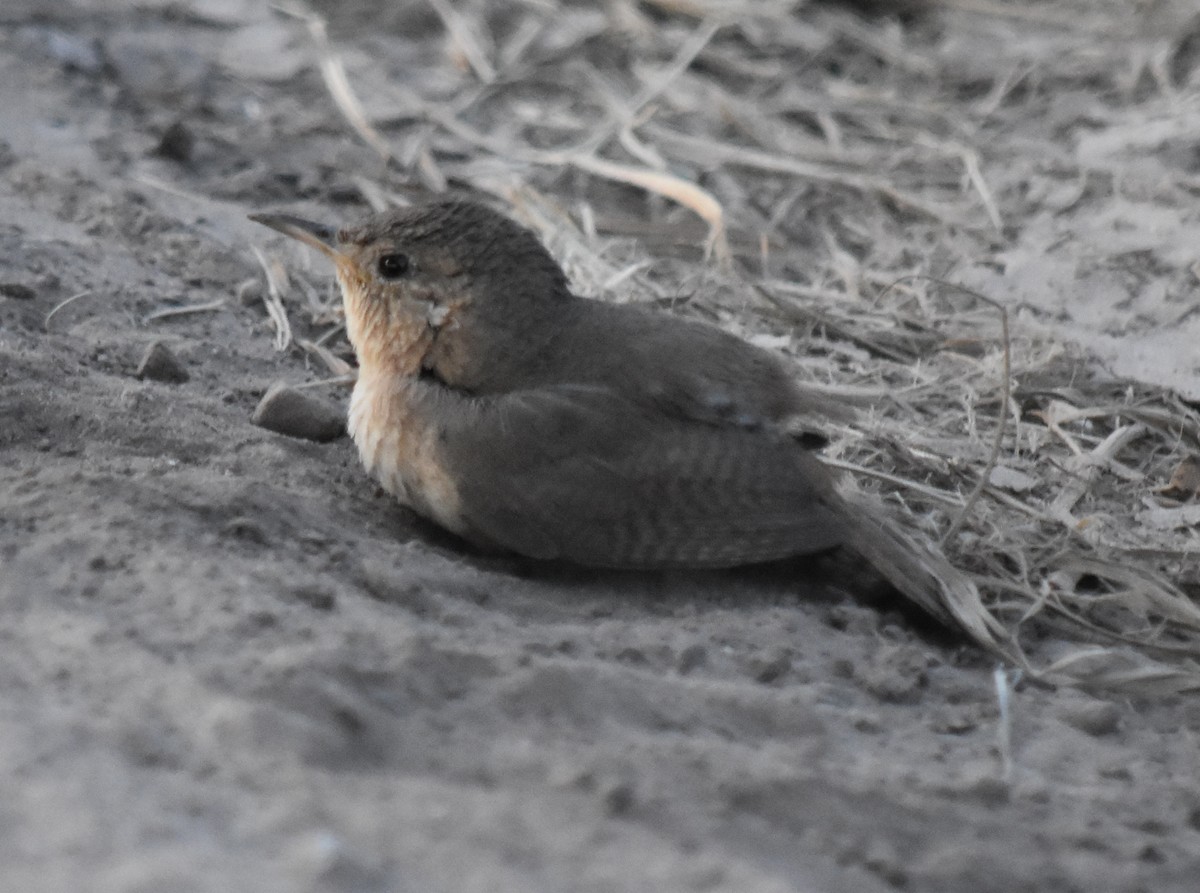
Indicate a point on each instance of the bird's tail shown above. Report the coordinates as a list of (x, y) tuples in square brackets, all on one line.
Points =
[(923, 574)]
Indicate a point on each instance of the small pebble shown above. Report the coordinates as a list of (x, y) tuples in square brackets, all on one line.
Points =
[(953, 721), (176, 143), (868, 723), (692, 658), (768, 670), (619, 799), (17, 291), (315, 596), (632, 656), (842, 668), (1193, 818), (159, 364), (1097, 719), (983, 784), (287, 410)]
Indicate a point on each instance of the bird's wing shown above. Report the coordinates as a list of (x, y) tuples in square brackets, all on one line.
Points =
[(583, 474), (686, 369)]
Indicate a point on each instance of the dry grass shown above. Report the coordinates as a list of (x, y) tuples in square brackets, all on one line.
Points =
[(837, 167)]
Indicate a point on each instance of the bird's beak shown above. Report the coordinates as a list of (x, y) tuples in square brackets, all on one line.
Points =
[(317, 235)]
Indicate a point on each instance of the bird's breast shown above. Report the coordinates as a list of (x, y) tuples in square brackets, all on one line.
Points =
[(395, 426)]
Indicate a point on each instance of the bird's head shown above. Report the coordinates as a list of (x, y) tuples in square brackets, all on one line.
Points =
[(412, 276)]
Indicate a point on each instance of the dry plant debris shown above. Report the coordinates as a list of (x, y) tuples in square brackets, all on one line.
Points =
[(834, 190)]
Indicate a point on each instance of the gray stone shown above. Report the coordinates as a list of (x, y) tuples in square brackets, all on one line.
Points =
[(160, 364), (287, 410)]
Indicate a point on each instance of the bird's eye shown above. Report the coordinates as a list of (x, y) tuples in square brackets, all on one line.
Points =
[(393, 266)]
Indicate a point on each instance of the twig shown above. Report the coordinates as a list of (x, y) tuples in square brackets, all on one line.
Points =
[(464, 38), (167, 312), (1004, 685), (691, 196), (328, 358), (1006, 396), (684, 57), (1085, 468), (333, 72), (273, 300), (684, 192), (343, 380), (795, 313), (942, 496), (1025, 13), (712, 154), (65, 303), (970, 160)]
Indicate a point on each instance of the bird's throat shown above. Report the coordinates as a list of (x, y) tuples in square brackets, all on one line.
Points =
[(386, 343)]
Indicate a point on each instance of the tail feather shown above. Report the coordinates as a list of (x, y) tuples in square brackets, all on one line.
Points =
[(925, 576)]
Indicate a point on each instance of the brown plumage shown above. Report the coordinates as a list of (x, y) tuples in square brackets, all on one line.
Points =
[(516, 414)]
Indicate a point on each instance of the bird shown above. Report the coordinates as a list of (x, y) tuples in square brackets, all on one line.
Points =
[(522, 417)]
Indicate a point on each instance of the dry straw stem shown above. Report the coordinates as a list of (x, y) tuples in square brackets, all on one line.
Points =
[(1096, 587), (1005, 397), (1004, 685), (1083, 469), (573, 247), (63, 304), (167, 312), (466, 40), (800, 313), (670, 186), (273, 299), (679, 190), (331, 361), (711, 152), (1029, 14), (333, 72)]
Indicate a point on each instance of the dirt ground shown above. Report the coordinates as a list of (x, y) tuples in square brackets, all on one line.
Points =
[(229, 662)]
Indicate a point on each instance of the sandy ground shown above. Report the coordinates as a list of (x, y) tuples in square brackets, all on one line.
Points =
[(228, 662)]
